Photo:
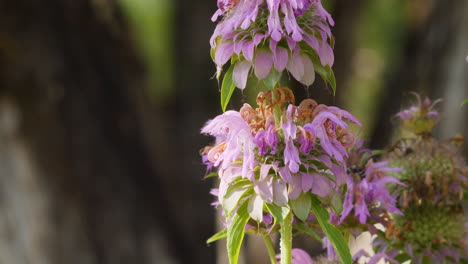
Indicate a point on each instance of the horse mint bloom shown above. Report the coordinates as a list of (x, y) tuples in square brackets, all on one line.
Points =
[(420, 118), (304, 153), (435, 177), (368, 191), (272, 35)]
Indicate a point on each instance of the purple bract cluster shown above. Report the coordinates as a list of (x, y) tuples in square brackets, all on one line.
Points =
[(272, 34)]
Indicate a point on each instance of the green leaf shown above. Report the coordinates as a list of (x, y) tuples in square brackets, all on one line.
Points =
[(320, 165), (324, 71), (331, 79), (336, 202), (286, 239), (308, 231), (220, 235), (236, 233), (234, 195), (213, 174), (227, 88), (213, 51), (333, 234), (212, 54), (272, 79), (279, 213), (402, 258), (301, 206), (465, 102)]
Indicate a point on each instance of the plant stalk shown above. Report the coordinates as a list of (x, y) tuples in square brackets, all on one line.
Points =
[(270, 248), (286, 239)]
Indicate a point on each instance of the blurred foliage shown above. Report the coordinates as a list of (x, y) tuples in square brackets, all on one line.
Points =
[(379, 40), (153, 28)]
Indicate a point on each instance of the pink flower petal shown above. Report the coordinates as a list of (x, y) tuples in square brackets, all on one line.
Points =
[(248, 50), (223, 53), (281, 59), (258, 38), (263, 63), (280, 193), (309, 72), (264, 170), (285, 174), (295, 187), (241, 73), (307, 181), (296, 66), (264, 189), (326, 54), (321, 185)]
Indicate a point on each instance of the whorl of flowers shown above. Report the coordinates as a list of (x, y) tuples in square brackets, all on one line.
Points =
[(304, 153), (436, 179), (420, 118), (273, 35), (367, 190), (434, 172)]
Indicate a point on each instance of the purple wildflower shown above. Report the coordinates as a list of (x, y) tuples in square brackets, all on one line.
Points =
[(421, 117), (326, 123), (272, 34), (267, 140), (236, 139), (305, 182), (280, 161), (331, 253), (364, 193), (291, 153), (209, 165)]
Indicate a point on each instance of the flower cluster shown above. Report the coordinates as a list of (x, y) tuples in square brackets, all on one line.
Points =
[(420, 118), (435, 178), (304, 153), (273, 35), (367, 189), (367, 195)]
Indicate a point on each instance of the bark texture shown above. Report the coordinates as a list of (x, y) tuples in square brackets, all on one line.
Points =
[(89, 172), (433, 63)]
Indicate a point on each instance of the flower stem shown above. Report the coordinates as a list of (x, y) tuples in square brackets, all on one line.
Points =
[(276, 108), (270, 248), (286, 239), (277, 113)]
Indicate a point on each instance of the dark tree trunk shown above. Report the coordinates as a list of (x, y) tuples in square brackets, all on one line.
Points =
[(88, 170), (432, 64)]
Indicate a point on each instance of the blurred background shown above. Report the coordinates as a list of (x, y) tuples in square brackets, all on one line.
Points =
[(102, 101)]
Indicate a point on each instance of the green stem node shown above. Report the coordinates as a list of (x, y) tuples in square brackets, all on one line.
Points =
[(286, 239)]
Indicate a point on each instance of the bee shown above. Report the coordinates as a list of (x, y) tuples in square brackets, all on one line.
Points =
[(403, 146), (361, 172)]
